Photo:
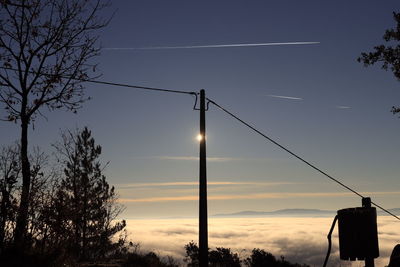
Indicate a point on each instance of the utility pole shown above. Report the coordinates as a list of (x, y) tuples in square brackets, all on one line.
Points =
[(203, 224), (369, 261)]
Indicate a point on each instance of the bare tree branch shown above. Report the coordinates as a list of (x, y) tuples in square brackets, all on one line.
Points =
[(55, 37)]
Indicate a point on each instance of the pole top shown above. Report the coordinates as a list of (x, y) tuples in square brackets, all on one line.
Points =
[(366, 202)]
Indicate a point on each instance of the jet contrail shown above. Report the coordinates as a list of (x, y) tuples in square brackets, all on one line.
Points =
[(208, 46), (286, 97), (343, 107)]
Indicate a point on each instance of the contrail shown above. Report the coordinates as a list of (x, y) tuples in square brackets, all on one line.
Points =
[(343, 107), (209, 46), (286, 97)]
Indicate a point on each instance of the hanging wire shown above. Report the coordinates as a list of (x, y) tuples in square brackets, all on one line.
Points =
[(226, 111), (297, 156), (111, 83), (139, 87)]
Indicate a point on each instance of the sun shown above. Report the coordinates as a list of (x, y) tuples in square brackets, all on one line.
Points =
[(199, 137)]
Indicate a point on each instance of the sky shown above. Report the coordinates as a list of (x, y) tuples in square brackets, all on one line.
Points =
[(315, 99)]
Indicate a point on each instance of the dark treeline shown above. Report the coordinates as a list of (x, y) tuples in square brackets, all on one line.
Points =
[(224, 257), (47, 49), (72, 209), (220, 257)]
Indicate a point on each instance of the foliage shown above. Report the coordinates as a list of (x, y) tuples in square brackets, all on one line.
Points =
[(85, 204), (387, 55), (45, 46), (224, 257), (71, 216), (9, 173), (41, 185), (192, 254), (45, 52), (260, 258), (149, 259)]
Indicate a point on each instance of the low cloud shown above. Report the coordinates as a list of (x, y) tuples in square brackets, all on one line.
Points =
[(253, 196), (301, 240), (158, 199), (196, 183), (177, 231), (303, 250), (193, 158), (209, 159), (228, 235)]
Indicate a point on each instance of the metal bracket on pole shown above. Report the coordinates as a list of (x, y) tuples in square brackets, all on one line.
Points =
[(195, 103)]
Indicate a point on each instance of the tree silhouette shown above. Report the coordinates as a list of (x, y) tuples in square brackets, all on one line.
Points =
[(45, 45), (224, 257), (9, 174), (261, 258), (86, 203), (39, 200), (388, 56), (192, 254), (148, 259)]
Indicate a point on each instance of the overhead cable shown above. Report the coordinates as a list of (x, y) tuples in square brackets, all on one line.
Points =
[(229, 113), (110, 83), (297, 156)]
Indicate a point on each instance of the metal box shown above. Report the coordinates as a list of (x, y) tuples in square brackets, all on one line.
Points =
[(358, 233)]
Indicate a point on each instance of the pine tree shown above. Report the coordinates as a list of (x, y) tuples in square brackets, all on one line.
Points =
[(87, 203)]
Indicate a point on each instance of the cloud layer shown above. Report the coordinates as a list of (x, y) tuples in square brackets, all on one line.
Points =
[(300, 240), (281, 195), (196, 183)]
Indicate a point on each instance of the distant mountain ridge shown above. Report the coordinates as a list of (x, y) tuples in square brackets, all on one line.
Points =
[(292, 213)]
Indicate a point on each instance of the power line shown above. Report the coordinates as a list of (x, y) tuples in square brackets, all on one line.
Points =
[(297, 156), (139, 87), (226, 111), (111, 83)]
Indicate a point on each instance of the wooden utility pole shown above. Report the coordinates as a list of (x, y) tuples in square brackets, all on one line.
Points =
[(369, 261), (203, 224)]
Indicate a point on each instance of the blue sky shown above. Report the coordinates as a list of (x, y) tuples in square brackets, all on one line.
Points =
[(340, 121)]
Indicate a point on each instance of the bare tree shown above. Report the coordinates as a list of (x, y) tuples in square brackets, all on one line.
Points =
[(9, 175), (45, 52), (43, 179), (387, 55), (10, 187)]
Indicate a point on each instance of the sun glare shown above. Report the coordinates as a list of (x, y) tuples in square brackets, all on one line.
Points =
[(199, 137)]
